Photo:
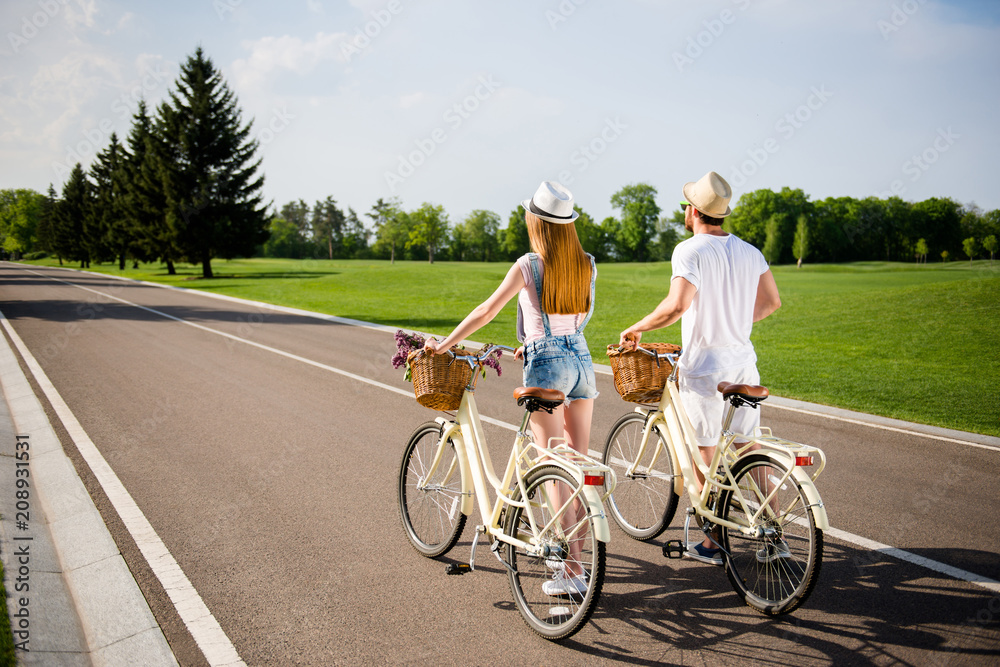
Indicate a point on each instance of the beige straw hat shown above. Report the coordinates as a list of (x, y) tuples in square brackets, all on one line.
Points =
[(710, 194)]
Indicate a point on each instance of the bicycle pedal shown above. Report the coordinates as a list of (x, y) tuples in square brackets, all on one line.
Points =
[(457, 568), (673, 549)]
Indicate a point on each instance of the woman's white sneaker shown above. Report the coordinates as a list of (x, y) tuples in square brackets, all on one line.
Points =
[(565, 586)]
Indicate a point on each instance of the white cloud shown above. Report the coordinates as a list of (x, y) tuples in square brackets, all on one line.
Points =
[(411, 100), (270, 55), (83, 15)]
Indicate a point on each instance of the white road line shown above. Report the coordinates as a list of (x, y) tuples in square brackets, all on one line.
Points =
[(885, 427), (984, 582), (606, 370), (207, 633), (954, 572)]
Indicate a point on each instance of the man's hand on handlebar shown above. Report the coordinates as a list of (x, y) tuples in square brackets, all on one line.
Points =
[(629, 339)]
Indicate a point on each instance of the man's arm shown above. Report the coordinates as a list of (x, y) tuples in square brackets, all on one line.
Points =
[(678, 300), (768, 299)]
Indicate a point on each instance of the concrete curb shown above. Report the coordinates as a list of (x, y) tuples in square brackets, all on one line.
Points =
[(86, 607)]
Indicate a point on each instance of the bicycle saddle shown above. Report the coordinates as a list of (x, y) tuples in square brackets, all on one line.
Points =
[(538, 398), (750, 393)]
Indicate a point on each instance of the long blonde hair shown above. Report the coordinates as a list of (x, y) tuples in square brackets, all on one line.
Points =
[(566, 284)]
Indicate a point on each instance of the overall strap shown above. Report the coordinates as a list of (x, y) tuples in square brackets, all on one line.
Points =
[(532, 260), (593, 284)]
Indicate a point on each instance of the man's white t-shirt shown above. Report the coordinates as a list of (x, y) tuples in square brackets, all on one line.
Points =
[(716, 328)]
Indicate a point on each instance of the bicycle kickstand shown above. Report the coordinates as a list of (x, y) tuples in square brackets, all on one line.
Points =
[(462, 568)]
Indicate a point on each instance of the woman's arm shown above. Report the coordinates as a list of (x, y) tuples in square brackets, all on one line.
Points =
[(482, 314)]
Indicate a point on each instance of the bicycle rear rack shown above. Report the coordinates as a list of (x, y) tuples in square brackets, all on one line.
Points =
[(568, 456)]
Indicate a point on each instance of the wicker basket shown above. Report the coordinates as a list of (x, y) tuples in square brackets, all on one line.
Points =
[(639, 377), (439, 379)]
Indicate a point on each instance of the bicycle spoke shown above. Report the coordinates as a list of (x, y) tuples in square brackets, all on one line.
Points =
[(643, 503)]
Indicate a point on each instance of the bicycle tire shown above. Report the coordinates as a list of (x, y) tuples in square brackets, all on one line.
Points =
[(431, 516), (768, 581), (642, 505), (552, 617)]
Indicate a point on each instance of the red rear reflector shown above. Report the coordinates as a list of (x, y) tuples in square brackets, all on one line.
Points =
[(593, 480), (803, 460)]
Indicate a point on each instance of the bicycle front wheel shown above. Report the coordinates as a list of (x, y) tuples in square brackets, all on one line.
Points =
[(643, 503), (430, 505), (775, 570), (556, 592)]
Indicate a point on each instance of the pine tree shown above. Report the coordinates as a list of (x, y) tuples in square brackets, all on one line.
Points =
[(112, 224), (146, 202), (47, 223), (213, 193), (71, 218), (328, 227)]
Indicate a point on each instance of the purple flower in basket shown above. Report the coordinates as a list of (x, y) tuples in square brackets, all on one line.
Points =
[(405, 343)]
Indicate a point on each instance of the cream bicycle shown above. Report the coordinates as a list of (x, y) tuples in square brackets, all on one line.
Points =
[(769, 515), (547, 523)]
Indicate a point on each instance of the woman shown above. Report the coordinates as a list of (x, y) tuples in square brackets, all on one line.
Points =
[(556, 298)]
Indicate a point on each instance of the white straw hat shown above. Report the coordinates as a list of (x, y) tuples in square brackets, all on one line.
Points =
[(552, 202)]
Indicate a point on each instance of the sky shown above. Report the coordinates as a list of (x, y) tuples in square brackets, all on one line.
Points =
[(471, 104)]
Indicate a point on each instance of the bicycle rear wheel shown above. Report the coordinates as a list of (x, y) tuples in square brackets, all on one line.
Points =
[(775, 572), (572, 549), (430, 508), (643, 504)]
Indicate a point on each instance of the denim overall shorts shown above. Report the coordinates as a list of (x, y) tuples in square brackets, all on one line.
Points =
[(561, 362)]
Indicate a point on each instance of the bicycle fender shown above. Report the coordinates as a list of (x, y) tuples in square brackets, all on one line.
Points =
[(805, 481), (452, 430), (812, 495), (592, 498), (596, 508)]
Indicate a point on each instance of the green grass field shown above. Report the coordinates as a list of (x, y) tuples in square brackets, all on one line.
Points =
[(900, 340)]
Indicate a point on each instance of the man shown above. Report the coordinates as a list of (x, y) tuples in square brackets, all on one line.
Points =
[(721, 285)]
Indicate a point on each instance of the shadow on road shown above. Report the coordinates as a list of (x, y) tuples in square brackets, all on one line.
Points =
[(865, 609)]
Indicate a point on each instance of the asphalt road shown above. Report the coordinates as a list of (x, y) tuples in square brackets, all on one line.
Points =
[(271, 481)]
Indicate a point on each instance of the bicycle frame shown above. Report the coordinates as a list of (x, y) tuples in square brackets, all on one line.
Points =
[(671, 421), (477, 475)]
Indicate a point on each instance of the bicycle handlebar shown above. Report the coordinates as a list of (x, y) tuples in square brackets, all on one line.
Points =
[(672, 357), (479, 357)]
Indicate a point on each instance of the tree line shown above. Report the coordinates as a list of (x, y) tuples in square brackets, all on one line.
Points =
[(388, 231), (788, 227), (185, 186), (785, 225)]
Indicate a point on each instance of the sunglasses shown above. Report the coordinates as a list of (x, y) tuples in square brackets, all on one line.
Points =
[(684, 205)]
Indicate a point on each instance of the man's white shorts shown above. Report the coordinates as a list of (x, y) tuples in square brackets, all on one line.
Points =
[(706, 408)]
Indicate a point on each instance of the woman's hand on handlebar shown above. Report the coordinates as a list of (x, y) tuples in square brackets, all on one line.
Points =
[(434, 346), (519, 353)]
